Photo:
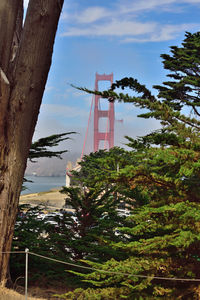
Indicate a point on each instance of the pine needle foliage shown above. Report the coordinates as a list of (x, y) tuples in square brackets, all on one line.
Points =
[(95, 198), (41, 148)]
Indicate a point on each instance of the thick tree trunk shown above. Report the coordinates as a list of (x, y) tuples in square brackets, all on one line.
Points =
[(22, 81), (8, 16)]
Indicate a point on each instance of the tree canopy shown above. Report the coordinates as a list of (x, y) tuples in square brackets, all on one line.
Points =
[(164, 170)]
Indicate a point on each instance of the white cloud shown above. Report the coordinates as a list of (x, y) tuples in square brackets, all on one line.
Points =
[(163, 33), (132, 31), (122, 20), (92, 14), (113, 28), (63, 111), (96, 13), (192, 1), (142, 5), (123, 8)]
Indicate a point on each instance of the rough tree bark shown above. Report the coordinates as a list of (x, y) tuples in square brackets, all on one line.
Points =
[(25, 59)]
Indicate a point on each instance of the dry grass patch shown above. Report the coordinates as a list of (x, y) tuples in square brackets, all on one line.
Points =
[(52, 198), (8, 294)]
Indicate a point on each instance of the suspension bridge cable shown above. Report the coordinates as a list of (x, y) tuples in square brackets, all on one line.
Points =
[(106, 135), (86, 134)]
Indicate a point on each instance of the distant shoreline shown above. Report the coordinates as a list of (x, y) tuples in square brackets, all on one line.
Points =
[(57, 189), (37, 184), (32, 175)]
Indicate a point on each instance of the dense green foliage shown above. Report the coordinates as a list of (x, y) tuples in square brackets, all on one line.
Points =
[(183, 90), (45, 236), (30, 230), (164, 230), (99, 170), (95, 199)]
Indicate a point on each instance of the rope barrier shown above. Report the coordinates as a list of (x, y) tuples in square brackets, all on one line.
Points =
[(115, 273), (108, 272), (16, 252)]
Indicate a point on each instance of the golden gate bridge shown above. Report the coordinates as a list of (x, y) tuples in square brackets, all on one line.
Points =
[(108, 136)]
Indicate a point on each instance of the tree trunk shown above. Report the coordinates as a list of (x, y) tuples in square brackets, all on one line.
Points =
[(25, 59)]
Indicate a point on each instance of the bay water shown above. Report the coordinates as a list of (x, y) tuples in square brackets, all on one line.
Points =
[(42, 183)]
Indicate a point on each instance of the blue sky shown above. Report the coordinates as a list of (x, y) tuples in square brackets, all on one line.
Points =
[(125, 37)]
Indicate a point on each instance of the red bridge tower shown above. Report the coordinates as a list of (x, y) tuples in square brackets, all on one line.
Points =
[(109, 114)]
